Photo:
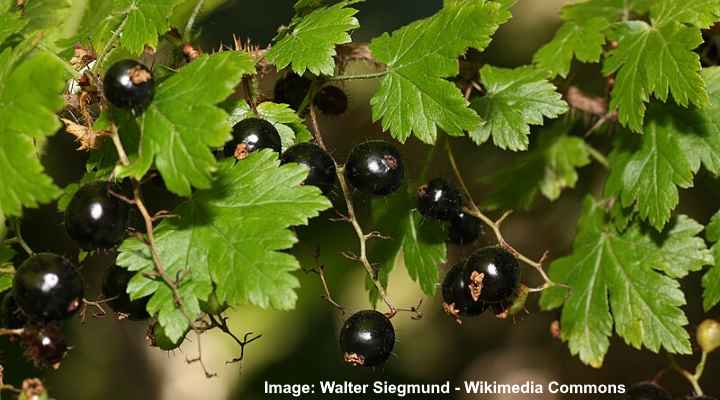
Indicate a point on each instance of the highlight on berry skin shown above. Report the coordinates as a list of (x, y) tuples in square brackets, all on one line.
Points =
[(250, 135), (128, 84), (375, 168)]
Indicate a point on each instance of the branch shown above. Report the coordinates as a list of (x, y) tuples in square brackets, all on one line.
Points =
[(352, 219), (191, 20), (374, 75), (111, 42), (246, 340), (496, 225)]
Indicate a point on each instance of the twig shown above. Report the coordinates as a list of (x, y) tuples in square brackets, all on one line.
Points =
[(246, 340), (149, 239), (352, 219), (11, 332), (598, 156), (199, 358), (19, 238), (111, 42), (320, 270), (373, 75), (692, 378), (414, 310), (97, 304), (191, 20), (496, 226)]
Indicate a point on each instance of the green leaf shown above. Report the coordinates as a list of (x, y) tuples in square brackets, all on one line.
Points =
[(514, 100), (654, 60), (415, 97), (711, 279), (548, 168), (310, 43), (615, 279), (232, 235), (27, 115), (424, 251), (647, 172), (146, 20), (11, 24), (44, 15), (582, 40), (183, 123), (291, 127), (700, 13), (701, 128)]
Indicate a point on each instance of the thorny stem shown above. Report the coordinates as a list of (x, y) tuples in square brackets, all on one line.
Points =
[(373, 75), (320, 270), (496, 226), (246, 340), (191, 20), (352, 219), (149, 228), (199, 358), (692, 378), (110, 43)]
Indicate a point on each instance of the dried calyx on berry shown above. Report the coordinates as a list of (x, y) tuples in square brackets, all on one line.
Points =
[(292, 90), (48, 287), (439, 199), (322, 172), (129, 84), (457, 299), (97, 218), (648, 391), (367, 339), (331, 100), (44, 345), (375, 168), (252, 134), (114, 289)]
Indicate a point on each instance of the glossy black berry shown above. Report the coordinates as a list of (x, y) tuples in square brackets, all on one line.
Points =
[(457, 297), (331, 100), (252, 134), (375, 167), (647, 391), (322, 167), (158, 338), (44, 345), (129, 84), (291, 90), (95, 218), (48, 287), (11, 316), (115, 287), (367, 338), (494, 274), (439, 199), (464, 229)]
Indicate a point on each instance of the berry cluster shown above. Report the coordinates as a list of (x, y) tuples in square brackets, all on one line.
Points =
[(440, 200)]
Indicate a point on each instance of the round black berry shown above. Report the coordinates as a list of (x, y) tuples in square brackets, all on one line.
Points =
[(129, 84), (95, 218), (375, 167), (252, 134), (367, 338), (48, 287), (648, 391), (331, 100), (322, 167), (494, 274), (115, 287), (439, 199), (457, 297), (11, 316), (158, 338), (464, 229), (44, 345), (291, 90)]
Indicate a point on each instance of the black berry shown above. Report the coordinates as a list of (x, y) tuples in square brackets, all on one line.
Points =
[(44, 345), (439, 199), (95, 218), (115, 287), (291, 90), (648, 391), (322, 167), (48, 287), (129, 84), (158, 338), (252, 134), (331, 100), (367, 338), (464, 229), (457, 297), (375, 167), (11, 316), (494, 274)]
